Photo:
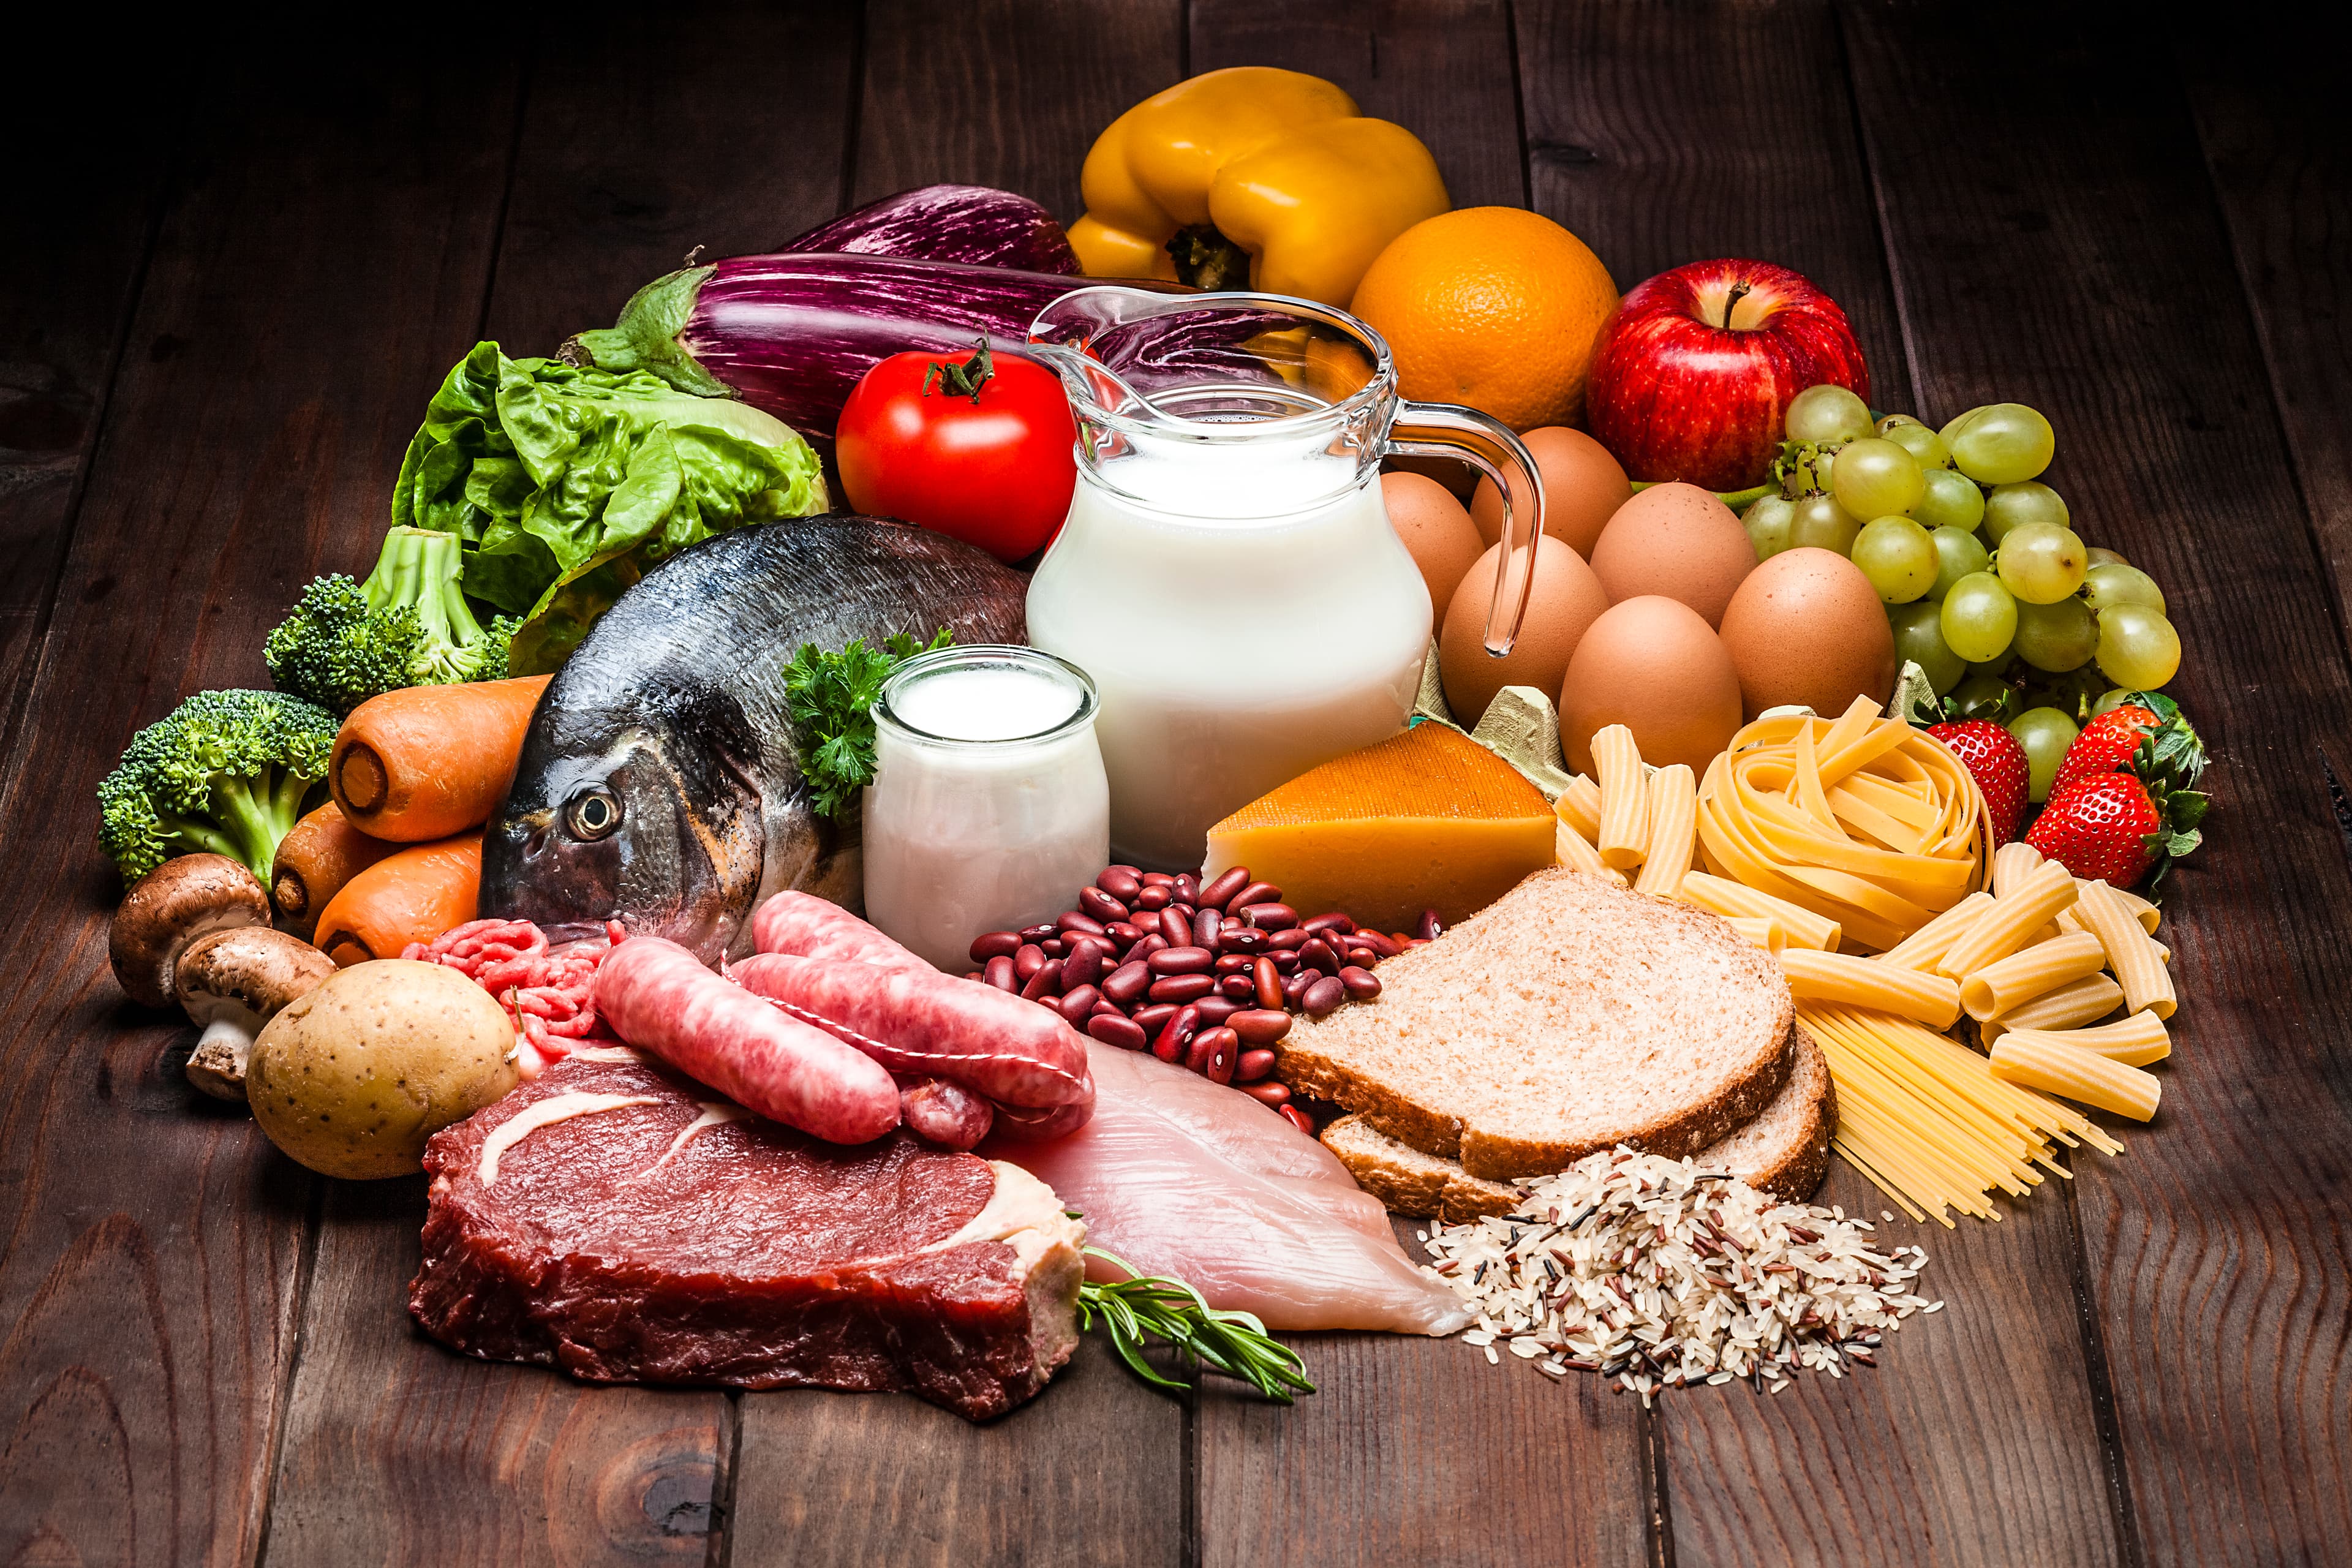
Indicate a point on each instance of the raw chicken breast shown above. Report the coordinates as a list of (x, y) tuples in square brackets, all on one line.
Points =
[(1185, 1177)]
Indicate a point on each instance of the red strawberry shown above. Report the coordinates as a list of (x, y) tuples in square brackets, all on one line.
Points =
[(2115, 828), (1998, 763), (2113, 742)]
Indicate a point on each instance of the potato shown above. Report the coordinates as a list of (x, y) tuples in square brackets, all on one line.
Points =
[(353, 1078)]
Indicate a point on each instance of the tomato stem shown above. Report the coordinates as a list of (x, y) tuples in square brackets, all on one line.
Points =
[(961, 378)]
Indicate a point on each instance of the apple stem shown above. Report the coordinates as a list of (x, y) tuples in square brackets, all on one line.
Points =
[(1731, 302), (1736, 500)]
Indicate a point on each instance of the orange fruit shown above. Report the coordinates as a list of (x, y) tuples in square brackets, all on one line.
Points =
[(1493, 307)]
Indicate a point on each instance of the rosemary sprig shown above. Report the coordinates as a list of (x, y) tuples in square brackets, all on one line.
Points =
[(1235, 1344)]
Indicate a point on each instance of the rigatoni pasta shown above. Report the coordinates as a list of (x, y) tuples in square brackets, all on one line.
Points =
[(1579, 806), (1674, 825), (2009, 983), (1932, 999), (1721, 896), (2081, 1002), (2135, 1041), (1769, 934), (2003, 929), (1625, 797), (2012, 864), (2132, 954), (2048, 1063), (1577, 854), (1923, 947)]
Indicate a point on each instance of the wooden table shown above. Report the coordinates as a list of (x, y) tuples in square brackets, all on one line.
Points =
[(220, 329)]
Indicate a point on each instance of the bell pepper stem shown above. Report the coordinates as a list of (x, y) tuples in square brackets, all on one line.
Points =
[(1207, 259)]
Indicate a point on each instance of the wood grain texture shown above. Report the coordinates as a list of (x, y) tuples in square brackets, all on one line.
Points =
[(1667, 136), (1441, 70), (733, 144), (1003, 92), (619, 172), (152, 1239), (2281, 164), (2055, 242)]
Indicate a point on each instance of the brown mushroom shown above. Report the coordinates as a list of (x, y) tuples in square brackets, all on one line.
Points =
[(231, 984), (187, 897)]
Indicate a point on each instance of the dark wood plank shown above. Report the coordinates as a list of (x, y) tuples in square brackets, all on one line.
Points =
[(1003, 92), (1404, 1450), (620, 170), (2057, 242), (1093, 1470), (1441, 70), (1662, 137), (2281, 164), (327, 242)]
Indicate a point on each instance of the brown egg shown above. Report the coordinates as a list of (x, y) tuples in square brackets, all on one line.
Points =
[(1652, 664), (1583, 485), (1568, 598), (1806, 627), (1677, 540), (1437, 530)]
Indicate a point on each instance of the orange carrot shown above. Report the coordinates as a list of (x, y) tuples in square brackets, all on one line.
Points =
[(412, 895), (426, 762), (314, 861)]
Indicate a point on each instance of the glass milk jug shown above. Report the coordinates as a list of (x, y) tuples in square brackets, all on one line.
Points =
[(1228, 576)]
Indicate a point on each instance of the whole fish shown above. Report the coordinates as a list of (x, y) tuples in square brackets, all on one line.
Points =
[(660, 780)]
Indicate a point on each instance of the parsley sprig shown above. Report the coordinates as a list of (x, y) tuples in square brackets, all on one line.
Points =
[(1235, 1344), (831, 697)]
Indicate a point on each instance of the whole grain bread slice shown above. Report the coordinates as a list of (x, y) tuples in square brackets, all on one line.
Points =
[(1785, 1150), (1570, 1014)]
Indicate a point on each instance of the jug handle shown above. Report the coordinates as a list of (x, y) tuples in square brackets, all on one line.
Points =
[(1465, 435)]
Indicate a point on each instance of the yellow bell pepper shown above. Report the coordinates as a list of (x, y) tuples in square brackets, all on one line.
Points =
[(1274, 168)]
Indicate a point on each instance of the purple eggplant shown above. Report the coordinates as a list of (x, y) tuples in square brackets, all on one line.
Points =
[(971, 224), (793, 333)]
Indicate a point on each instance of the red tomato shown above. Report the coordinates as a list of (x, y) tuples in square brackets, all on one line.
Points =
[(994, 469)]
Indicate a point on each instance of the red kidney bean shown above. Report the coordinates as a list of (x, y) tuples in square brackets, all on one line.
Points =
[(1216, 1010), (1113, 1030), (1431, 928), (995, 944), (1094, 902), (1152, 942), (1119, 882), (1127, 983), (1156, 879), (1180, 914), (1156, 897), (1260, 1026), (1046, 982), (1236, 963), (1256, 893), (1219, 1067), (1270, 917), (1269, 980), (1287, 941), (1205, 924), (1362, 983), (1028, 961), (1039, 932), (1234, 937), (1316, 955), (1083, 964), (1266, 1091), (1333, 921), (1180, 987), (1297, 1118), (1324, 997), (1103, 1004), (1220, 893), (1073, 920), (1294, 989), (1284, 964), (1001, 975), (1123, 933), (1175, 1034), (1151, 1017), (1254, 1064), (1134, 871), (1241, 988), (1376, 941), (1362, 957), (1182, 961), (1188, 888), (1078, 1002), (1055, 947), (971, 975)]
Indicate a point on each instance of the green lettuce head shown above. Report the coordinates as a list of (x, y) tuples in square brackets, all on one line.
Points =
[(566, 486)]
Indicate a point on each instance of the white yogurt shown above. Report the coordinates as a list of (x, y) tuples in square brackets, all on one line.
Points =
[(988, 808)]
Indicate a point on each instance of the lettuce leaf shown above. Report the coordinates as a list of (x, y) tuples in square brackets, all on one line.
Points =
[(567, 485)]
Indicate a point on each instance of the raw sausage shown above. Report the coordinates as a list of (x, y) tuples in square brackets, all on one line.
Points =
[(945, 1113), (658, 997), (1014, 1052), (1044, 1126), (809, 927)]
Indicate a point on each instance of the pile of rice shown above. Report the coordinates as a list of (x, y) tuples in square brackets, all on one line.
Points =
[(1659, 1274)]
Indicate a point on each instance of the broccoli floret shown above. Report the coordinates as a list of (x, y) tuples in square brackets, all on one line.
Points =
[(408, 624), (229, 772)]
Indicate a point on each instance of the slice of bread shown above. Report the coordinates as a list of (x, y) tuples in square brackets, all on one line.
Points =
[(1569, 1015), (1785, 1150)]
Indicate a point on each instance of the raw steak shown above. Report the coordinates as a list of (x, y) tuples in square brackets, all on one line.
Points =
[(626, 1224)]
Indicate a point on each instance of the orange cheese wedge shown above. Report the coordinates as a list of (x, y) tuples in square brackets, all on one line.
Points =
[(1428, 819)]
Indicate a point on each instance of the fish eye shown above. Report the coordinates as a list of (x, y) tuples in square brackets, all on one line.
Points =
[(593, 814)]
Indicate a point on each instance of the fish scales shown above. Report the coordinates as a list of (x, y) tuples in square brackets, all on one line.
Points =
[(660, 780)]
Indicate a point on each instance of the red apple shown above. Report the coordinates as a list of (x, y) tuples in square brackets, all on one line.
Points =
[(1692, 374)]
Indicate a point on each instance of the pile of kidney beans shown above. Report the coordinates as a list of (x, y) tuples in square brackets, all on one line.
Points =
[(1206, 977)]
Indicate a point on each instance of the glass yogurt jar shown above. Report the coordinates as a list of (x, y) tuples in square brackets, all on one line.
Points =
[(987, 803)]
